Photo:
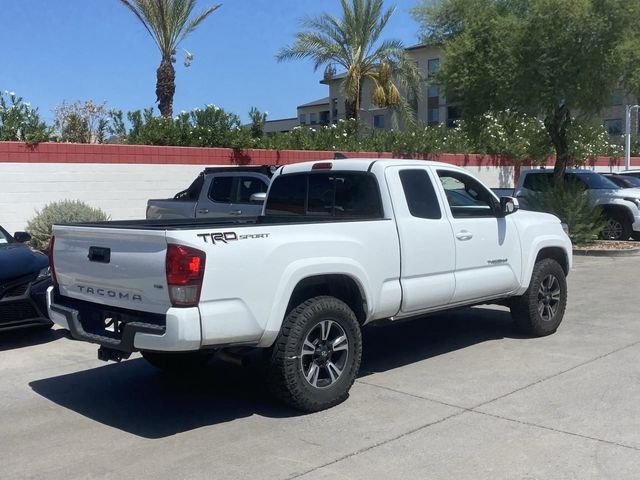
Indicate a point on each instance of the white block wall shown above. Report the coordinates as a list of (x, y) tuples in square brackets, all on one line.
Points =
[(121, 190)]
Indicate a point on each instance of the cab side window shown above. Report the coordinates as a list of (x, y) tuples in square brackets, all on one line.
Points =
[(466, 196)]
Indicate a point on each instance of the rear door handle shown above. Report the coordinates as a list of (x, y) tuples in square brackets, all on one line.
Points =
[(203, 210), (235, 212), (464, 235)]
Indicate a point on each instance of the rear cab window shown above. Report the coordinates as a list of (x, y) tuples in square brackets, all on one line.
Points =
[(339, 194)]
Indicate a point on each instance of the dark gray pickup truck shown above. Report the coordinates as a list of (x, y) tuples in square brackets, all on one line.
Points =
[(217, 192)]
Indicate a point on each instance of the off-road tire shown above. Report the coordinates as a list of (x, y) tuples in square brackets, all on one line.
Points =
[(285, 369), (623, 227), (525, 309), (178, 362)]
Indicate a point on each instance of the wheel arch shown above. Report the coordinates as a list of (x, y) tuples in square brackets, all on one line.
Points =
[(613, 209), (555, 253), (339, 285), (554, 247), (345, 280)]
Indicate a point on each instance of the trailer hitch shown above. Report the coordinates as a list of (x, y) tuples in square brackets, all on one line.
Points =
[(110, 354)]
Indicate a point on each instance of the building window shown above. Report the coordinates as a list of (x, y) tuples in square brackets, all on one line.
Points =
[(378, 121), (313, 118), (433, 91), (453, 115), (432, 65), (324, 117), (433, 115), (617, 98), (334, 108), (303, 118), (613, 126)]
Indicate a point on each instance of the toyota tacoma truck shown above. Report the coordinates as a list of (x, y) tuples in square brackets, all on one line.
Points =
[(217, 192), (339, 245)]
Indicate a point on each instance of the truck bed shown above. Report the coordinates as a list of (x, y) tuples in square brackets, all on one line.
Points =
[(209, 223)]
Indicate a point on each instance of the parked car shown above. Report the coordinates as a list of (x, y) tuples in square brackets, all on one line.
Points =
[(631, 173), (217, 192), (623, 181), (621, 206), (339, 245), (24, 279)]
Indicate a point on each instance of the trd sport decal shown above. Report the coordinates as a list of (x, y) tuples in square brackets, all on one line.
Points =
[(226, 237)]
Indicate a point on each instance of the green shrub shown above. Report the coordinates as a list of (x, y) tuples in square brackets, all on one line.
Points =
[(571, 204), (20, 122), (66, 211)]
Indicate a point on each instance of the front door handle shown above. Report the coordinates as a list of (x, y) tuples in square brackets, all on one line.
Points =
[(235, 212), (464, 235), (203, 210)]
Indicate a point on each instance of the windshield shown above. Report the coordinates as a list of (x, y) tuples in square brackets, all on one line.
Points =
[(625, 181), (596, 181), (4, 237)]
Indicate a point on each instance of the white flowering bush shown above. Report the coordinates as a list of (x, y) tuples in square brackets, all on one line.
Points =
[(19, 121), (588, 141), (207, 127), (518, 137)]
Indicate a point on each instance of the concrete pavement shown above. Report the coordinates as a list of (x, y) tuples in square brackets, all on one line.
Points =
[(455, 396)]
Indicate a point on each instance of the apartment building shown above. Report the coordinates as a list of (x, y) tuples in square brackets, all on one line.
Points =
[(431, 107)]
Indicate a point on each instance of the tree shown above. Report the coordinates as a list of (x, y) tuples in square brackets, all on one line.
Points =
[(168, 22), (352, 42), (550, 58), (82, 122), (258, 119)]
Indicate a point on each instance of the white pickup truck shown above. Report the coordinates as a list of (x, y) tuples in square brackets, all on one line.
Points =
[(339, 245)]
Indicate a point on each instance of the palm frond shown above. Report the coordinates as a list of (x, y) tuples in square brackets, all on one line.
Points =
[(167, 21), (198, 19)]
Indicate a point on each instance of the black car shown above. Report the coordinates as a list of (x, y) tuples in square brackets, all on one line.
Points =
[(24, 279), (623, 181)]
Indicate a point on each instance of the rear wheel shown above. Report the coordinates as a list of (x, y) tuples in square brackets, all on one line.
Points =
[(316, 356), (618, 227), (178, 361), (539, 311)]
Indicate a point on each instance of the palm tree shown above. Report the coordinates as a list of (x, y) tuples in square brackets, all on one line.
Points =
[(352, 42), (168, 23)]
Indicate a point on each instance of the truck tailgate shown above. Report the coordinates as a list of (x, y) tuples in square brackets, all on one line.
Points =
[(116, 267)]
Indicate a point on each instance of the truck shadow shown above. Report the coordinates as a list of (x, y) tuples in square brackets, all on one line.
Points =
[(134, 397), (28, 337)]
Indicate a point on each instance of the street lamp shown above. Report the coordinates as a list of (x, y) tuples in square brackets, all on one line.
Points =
[(627, 135)]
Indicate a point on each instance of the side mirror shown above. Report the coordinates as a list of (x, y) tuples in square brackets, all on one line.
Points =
[(22, 237), (258, 197), (508, 205)]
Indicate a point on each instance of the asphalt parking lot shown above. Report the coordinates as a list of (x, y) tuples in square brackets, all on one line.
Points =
[(456, 396)]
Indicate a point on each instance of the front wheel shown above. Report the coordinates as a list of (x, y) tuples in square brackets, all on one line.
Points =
[(316, 356), (539, 311), (617, 227)]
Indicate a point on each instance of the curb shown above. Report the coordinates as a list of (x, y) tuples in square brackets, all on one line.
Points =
[(583, 252)]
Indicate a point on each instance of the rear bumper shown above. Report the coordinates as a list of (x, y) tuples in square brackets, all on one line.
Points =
[(181, 331)]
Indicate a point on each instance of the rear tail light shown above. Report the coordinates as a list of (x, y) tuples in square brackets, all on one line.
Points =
[(185, 271), (53, 270)]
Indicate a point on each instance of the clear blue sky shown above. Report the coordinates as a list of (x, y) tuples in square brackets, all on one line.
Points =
[(96, 49)]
